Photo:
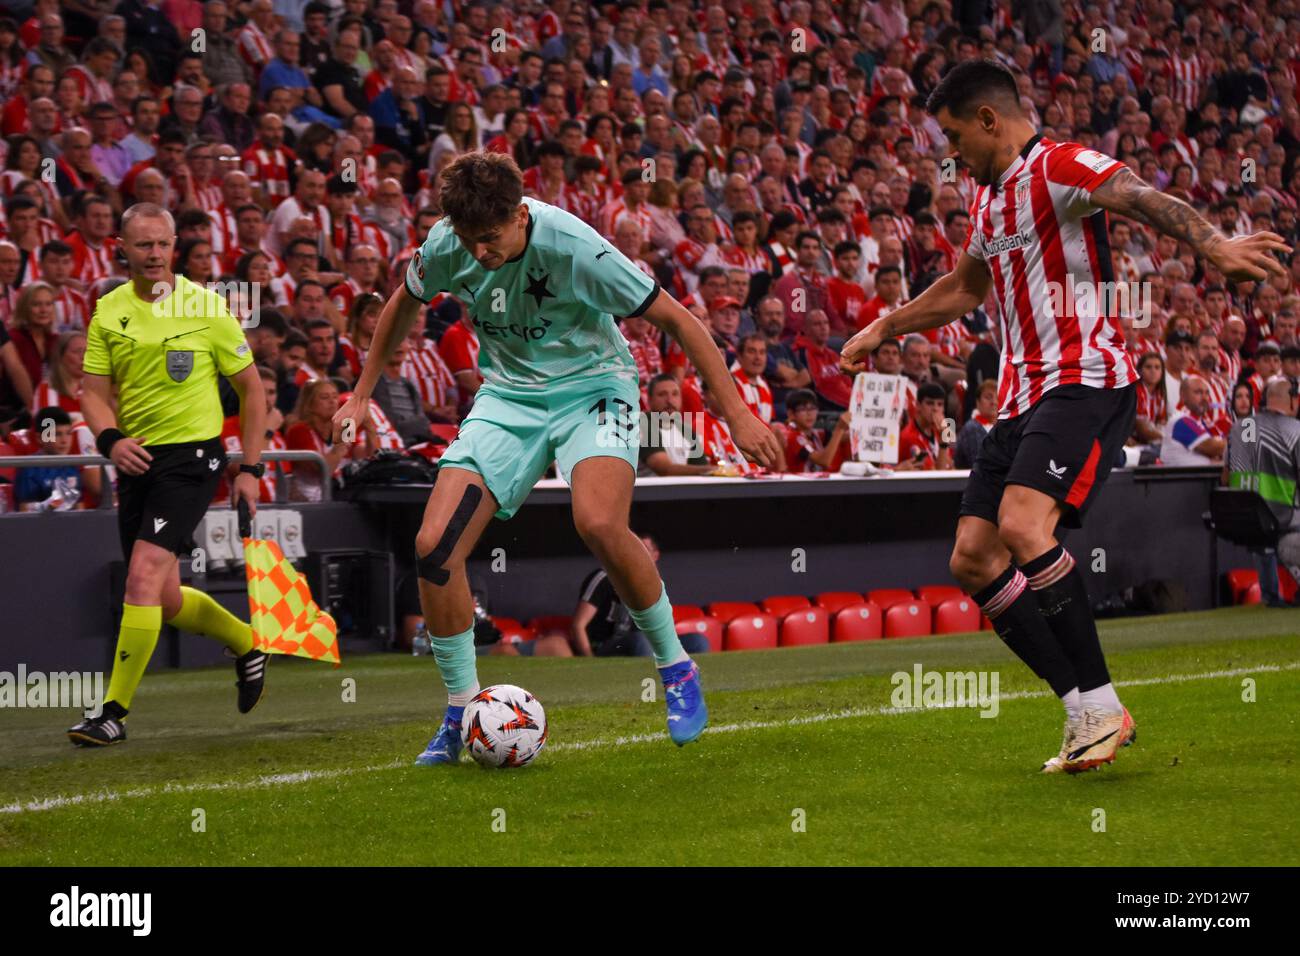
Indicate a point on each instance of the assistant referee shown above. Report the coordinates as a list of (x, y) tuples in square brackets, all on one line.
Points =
[(163, 340)]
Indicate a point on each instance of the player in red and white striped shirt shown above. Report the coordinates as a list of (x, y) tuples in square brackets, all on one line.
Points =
[(1067, 399)]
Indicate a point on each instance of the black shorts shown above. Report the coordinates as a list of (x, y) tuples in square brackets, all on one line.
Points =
[(165, 504), (1064, 446)]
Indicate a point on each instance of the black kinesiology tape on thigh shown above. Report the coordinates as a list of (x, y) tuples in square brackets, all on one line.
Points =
[(430, 567)]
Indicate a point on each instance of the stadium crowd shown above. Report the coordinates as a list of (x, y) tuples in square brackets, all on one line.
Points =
[(770, 163)]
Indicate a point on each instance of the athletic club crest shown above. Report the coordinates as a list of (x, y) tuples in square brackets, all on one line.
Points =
[(1022, 192), (179, 365)]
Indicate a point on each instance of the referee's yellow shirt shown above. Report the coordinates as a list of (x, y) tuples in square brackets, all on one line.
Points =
[(165, 357)]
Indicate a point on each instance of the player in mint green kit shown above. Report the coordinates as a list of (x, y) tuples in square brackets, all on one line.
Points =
[(545, 292)]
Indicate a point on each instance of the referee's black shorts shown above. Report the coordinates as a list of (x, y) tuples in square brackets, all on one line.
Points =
[(1064, 446), (165, 504)]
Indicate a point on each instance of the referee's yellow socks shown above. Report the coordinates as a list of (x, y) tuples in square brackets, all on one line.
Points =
[(135, 643), (200, 614)]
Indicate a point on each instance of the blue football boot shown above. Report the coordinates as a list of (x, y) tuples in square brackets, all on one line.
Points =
[(687, 713), (445, 746)]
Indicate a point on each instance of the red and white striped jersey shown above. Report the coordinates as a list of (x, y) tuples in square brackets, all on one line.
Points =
[(1152, 405), (755, 392), (386, 434), (208, 197), (345, 293), (93, 89), (720, 448), (783, 256), (347, 233), (645, 352), (283, 291), (1221, 393), (253, 46), (426, 369), (91, 262), (232, 438), (225, 235), (752, 263), (616, 210), (30, 269), (306, 374), (690, 257), (1230, 364), (377, 237), (1044, 242), (46, 395), (269, 171), (71, 311), (1189, 78)]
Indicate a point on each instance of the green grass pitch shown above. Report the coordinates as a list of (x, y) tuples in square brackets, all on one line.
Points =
[(804, 764)]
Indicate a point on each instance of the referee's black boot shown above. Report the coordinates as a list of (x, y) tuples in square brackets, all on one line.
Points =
[(103, 730), (251, 673)]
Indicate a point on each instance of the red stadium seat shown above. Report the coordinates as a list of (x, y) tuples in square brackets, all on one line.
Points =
[(783, 604), (545, 623), (1243, 585), (1286, 584), (512, 631), (724, 611), (24, 441), (957, 616), (857, 622), (447, 432), (936, 594), (908, 619), (985, 623), (686, 612), (1239, 582), (834, 601), (886, 597), (710, 627), (750, 632), (808, 625)]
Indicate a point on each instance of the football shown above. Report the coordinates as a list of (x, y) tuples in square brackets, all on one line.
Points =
[(504, 726)]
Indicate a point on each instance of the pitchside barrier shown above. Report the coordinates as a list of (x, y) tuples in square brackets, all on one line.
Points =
[(721, 540)]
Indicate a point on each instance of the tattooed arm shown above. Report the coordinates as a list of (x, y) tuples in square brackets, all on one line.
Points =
[(1239, 258)]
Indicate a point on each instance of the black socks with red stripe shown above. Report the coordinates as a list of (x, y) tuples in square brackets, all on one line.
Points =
[(1013, 608), (1063, 602)]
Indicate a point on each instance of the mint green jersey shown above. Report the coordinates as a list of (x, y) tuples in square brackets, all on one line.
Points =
[(550, 313)]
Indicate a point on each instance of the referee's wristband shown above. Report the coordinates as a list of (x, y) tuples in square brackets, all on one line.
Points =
[(106, 440)]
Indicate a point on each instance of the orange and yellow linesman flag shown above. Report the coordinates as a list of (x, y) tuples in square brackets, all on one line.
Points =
[(284, 618)]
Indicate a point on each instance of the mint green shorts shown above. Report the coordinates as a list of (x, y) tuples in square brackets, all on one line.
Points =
[(511, 436)]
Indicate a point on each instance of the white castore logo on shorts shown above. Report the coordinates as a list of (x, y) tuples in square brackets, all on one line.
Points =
[(1053, 470), (159, 524), (213, 464)]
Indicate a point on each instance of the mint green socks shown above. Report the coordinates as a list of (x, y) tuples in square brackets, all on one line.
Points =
[(656, 623), (458, 666)]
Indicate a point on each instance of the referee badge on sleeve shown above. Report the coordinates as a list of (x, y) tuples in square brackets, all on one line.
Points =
[(179, 365)]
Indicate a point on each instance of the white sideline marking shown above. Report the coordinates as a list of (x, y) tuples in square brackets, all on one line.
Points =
[(305, 776)]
